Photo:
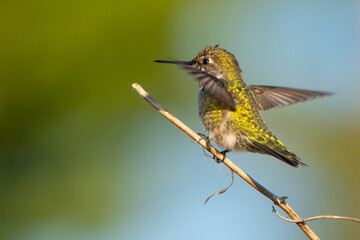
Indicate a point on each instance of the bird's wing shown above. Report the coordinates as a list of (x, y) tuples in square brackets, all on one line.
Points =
[(211, 84), (269, 97)]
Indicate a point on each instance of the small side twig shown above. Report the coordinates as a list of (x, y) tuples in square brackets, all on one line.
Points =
[(316, 217), (222, 190)]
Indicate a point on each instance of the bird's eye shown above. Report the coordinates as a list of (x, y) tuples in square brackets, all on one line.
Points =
[(205, 61)]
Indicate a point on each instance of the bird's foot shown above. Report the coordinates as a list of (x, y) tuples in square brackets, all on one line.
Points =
[(218, 160), (282, 199), (207, 139)]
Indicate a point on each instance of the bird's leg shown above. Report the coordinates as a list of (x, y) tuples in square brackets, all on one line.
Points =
[(208, 145), (223, 153), (207, 139)]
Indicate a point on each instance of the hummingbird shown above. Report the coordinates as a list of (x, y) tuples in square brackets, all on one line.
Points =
[(230, 110)]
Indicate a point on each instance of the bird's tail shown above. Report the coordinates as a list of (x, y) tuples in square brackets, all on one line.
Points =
[(282, 153)]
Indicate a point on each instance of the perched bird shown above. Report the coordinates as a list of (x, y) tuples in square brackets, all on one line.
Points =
[(230, 110)]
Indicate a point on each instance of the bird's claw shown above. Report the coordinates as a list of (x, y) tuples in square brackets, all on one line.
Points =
[(208, 146), (207, 139), (218, 160)]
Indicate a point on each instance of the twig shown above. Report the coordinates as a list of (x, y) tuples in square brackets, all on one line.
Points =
[(277, 200), (316, 217), (222, 190)]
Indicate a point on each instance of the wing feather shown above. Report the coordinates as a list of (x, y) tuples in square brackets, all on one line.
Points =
[(269, 97)]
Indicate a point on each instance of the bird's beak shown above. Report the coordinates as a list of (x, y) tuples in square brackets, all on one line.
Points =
[(175, 62)]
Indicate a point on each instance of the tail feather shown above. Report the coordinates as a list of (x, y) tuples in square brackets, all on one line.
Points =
[(290, 159)]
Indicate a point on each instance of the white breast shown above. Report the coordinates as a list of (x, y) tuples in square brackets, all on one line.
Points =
[(224, 140)]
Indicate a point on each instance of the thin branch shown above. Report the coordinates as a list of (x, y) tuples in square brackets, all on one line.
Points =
[(277, 200), (316, 217)]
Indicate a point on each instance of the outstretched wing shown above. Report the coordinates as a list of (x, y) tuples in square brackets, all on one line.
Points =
[(211, 84), (269, 97)]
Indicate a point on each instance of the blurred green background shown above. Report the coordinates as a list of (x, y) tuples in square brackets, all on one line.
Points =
[(82, 156)]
